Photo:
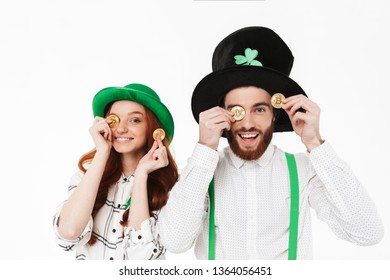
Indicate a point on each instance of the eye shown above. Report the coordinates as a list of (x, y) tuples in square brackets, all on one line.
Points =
[(134, 121), (260, 110)]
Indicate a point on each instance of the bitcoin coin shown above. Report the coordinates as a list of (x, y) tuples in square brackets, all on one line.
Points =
[(114, 120), (159, 132), (276, 100), (239, 113)]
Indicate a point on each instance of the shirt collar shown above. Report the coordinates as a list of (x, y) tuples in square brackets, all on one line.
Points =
[(262, 161), (125, 178)]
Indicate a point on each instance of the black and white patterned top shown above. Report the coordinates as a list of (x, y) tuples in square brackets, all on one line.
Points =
[(113, 242)]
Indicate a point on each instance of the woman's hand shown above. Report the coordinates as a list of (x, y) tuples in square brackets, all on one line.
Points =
[(156, 158), (101, 134)]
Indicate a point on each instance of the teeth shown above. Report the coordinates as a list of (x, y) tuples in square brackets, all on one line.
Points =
[(248, 135), (122, 138)]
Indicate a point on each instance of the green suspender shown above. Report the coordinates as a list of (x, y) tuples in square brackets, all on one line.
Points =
[(294, 211), (294, 206), (211, 222)]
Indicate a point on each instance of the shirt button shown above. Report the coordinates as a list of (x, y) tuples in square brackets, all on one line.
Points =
[(111, 258), (139, 236), (114, 230), (119, 206)]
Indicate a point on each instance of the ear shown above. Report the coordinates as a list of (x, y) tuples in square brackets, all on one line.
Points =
[(276, 114)]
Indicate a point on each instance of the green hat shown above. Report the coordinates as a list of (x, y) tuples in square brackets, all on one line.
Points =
[(138, 93)]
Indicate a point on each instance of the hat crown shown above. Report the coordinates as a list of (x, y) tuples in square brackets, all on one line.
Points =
[(272, 51), (144, 90)]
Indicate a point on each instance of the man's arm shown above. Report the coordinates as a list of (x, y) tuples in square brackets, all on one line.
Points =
[(341, 201), (181, 219)]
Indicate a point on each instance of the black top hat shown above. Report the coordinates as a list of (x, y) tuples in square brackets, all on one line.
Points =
[(251, 56)]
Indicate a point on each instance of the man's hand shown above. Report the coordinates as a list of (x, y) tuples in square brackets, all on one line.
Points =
[(212, 122), (304, 115)]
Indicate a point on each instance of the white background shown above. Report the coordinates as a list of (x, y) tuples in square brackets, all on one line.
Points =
[(55, 55)]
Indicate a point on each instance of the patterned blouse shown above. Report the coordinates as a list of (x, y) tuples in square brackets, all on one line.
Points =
[(113, 241)]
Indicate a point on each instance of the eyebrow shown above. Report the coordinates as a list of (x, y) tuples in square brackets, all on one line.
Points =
[(253, 106), (262, 104), (135, 113)]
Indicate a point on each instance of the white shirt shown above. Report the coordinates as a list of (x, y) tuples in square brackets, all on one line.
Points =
[(252, 204), (113, 242)]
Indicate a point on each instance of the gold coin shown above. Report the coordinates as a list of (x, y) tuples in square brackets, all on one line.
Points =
[(276, 100), (159, 132), (239, 113), (114, 120)]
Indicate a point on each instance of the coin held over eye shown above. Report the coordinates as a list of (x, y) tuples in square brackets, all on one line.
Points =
[(276, 100), (114, 120), (159, 132), (238, 113)]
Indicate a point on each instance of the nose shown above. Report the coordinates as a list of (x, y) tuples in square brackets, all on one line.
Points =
[(121, 128), (247, 122)]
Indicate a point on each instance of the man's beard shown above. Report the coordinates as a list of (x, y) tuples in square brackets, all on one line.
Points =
[(266, 137)]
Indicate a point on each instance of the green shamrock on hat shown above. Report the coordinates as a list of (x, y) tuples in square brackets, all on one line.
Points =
[(249, 58)]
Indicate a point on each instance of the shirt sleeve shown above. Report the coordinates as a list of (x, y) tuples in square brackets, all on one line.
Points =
[(66, 244), (340, 200), (182, 217), (143, 244)]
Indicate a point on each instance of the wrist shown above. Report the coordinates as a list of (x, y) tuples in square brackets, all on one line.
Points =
[(140, 173), (102, 154), (211, 146), (314, 144)]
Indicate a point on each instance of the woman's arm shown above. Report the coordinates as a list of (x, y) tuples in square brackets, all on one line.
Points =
[(155, 159), (77, 210)]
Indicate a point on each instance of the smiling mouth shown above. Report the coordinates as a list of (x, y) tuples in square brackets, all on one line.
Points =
[(123, 139), (250, 136)]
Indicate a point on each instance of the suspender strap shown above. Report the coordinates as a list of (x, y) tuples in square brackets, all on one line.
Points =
[(294, 211), (294, 206)]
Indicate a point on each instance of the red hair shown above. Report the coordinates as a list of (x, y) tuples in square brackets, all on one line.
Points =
[(159, 182)]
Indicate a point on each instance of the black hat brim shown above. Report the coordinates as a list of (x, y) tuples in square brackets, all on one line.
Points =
[(211, 90)]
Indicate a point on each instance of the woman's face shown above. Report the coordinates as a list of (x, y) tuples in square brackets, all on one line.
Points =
[(129, 136)]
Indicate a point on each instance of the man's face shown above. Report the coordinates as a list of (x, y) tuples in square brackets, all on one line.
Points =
[(250, 137)]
